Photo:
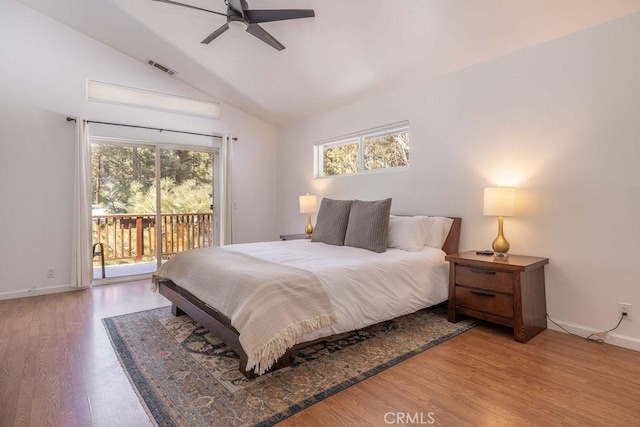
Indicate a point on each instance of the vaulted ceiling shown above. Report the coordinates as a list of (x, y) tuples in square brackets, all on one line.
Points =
[(351, 50)]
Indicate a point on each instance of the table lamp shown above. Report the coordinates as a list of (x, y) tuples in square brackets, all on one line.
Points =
[(308, 204), (500, 201)]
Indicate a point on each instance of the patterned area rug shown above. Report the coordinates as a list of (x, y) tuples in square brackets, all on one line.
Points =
[(185, 376)]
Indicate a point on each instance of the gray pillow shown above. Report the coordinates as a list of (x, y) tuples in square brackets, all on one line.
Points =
[(331, 224), (368, 225)]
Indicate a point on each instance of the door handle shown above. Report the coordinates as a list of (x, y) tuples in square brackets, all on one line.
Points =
[(482, 271)]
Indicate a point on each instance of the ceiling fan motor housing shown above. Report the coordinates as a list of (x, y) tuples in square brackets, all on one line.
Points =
[(236, 21)]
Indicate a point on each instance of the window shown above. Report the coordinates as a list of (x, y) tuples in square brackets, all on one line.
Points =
[(133, 97), (371, 150), (340, 158)]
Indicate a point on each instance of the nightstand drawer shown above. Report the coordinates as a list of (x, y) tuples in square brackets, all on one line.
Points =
[(492, 280), (486, 301)]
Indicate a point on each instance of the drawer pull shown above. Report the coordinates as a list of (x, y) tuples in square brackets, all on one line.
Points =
[(483, 293), (482, 271)]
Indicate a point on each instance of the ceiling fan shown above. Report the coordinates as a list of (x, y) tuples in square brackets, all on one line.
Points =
[(239, 15)]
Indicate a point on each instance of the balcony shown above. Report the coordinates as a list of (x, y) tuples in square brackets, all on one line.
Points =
[(130, 240)]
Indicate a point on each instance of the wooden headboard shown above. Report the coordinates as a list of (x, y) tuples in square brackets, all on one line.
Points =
[(453, 239)]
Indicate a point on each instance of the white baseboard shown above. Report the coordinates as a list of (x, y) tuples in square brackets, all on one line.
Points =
[(37, 291), (618, 340)]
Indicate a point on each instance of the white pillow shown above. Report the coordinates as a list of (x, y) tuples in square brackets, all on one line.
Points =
[(408, 233), (438, 232)]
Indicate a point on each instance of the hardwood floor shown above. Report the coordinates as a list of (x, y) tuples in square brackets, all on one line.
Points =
[(484, 378), (57, 367)]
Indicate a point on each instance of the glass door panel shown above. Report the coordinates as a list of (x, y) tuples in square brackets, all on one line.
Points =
[(186, 201), (123, 209)]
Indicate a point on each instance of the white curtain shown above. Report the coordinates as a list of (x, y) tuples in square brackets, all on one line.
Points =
[(82, 252), (226, 213)]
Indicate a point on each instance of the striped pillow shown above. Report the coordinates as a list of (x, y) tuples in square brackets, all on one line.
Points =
[(368, 225), (331, 224)]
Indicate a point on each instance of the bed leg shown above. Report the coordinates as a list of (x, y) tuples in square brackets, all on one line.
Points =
[(283, 362), (243, 364), (175, 310)]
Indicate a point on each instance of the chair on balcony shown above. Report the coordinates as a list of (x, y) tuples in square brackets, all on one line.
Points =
[(99, 252)]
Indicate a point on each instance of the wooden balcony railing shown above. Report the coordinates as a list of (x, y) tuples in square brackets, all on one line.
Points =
[(129, 237)]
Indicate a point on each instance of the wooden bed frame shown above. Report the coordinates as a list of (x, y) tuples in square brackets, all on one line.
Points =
[(183, 302)]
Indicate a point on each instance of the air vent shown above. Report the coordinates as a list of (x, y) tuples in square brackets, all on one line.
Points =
[(161, 67)]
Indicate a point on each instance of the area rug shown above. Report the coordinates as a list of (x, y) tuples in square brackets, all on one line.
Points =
[(185, 376)]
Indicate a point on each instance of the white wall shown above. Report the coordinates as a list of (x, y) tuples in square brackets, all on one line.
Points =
[(561, 121), (45, 67)]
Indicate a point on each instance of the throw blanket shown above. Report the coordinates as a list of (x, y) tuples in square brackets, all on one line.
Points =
[(271, 305)]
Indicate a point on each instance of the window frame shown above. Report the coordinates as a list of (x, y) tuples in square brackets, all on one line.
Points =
[(359, 138)]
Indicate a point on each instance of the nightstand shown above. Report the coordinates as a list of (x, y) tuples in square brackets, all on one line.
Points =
[(508, 291), (294, 236)]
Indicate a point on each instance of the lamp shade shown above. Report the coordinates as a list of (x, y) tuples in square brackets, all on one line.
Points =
[(308, 203), (499, 201)]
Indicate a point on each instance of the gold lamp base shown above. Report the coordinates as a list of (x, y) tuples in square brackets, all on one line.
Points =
[(309, 228), (500, 244)]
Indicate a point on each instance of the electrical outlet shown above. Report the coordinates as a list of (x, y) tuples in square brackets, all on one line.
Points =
[(625, 308), (51, 273)]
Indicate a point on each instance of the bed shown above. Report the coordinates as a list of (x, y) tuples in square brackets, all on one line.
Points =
[(395, 282)]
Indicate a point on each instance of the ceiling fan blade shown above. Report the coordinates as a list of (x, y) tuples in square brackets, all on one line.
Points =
[(236, 5), (215, 34), (190, 7), (259, 32), (257, 16)]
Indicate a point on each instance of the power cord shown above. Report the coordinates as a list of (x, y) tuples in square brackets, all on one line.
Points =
[(600, 336)]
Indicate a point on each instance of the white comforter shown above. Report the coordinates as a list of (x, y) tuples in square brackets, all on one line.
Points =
[(364, 287)]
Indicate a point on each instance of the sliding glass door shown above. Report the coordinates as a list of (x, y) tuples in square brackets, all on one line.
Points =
[(149, 202)]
